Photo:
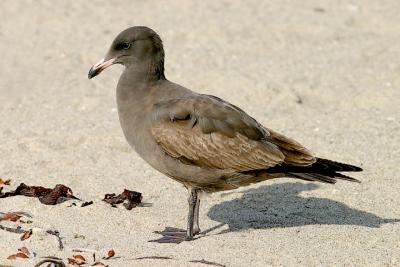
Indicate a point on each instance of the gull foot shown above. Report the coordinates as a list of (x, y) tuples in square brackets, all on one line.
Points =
[(171, 235)]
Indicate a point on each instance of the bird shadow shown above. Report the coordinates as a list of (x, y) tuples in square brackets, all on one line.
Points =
[(281, 206)]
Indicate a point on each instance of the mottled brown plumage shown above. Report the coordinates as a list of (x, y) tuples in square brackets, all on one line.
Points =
[(201, 141)]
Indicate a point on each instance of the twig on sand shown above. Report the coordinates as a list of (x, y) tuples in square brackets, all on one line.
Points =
[(87, 251), (17, 230), (203, 261), (57, 263), (154, 258), (57, 234), (84, 250), (20, 230)]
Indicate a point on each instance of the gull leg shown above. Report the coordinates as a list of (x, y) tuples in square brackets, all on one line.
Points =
[(175, 235), (196, 227), (192, 210)]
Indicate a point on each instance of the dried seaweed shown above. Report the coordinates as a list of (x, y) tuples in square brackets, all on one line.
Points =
[(22, 253), (5, 182), (26, 234), (110, 254), (10, 216), (130, 199), (46, 196), (84, 204)]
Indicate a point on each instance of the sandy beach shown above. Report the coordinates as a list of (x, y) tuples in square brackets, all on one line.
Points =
[(326, 73)]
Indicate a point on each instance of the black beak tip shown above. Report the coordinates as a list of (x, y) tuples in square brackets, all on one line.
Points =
[(93, 73)]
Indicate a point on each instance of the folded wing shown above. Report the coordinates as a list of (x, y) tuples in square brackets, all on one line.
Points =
[(208, 132)]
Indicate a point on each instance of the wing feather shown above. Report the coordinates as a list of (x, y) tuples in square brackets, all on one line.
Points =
[(208, 132)]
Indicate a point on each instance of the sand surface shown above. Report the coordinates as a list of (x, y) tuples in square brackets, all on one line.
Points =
[(326, 73)]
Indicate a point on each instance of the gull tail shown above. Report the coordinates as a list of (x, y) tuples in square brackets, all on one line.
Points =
[(323, 170)]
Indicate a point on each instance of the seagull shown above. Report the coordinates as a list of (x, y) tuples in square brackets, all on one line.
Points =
[(201, 141)]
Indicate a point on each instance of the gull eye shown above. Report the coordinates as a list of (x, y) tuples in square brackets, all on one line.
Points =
[(123, 46)]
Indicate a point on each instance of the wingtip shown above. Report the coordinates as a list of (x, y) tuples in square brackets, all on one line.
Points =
[(355, 168), (358, 169), (340, 176)]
